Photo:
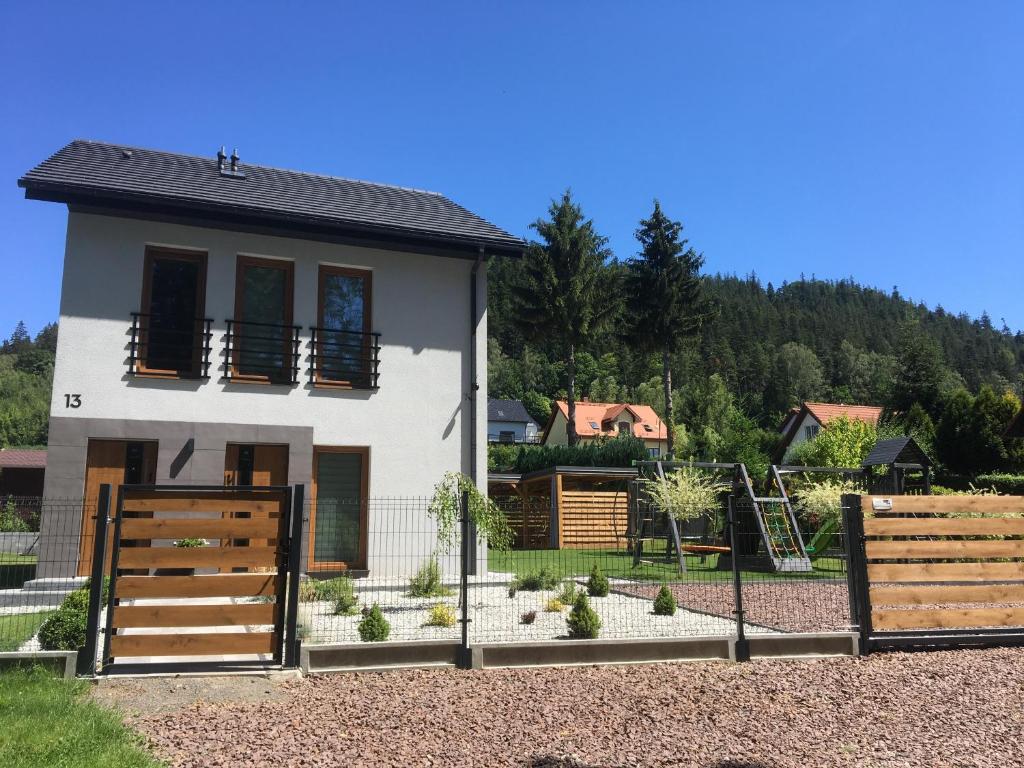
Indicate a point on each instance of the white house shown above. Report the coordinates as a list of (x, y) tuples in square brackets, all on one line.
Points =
[(230, 323), (804, 422), (508, 421)]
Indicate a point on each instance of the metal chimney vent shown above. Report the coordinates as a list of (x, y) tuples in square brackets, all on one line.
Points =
[(232, 172)]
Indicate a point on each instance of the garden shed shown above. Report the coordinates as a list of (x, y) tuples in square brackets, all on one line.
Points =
[(566, 507)]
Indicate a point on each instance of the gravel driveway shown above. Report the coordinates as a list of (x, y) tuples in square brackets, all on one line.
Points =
[(953, 708)]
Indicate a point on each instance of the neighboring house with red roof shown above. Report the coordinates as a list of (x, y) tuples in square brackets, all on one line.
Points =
[(597, 420), (22, 471), (803, 423)]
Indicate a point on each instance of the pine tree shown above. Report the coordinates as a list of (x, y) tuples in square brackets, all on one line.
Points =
[(566, 293), (665, 301)]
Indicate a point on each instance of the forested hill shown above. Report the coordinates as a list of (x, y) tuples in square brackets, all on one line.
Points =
[(773, 347)]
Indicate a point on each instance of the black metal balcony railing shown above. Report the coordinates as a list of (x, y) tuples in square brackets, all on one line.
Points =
[(344, 358), (261, 352), (510, 438), (169, 346)]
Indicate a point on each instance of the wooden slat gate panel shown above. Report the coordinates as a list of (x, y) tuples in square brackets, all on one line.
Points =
[(939, 571), (594, 519), (224, 600)]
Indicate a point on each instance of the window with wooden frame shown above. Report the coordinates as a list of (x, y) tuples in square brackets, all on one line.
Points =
[(261, 337), (171, 334), (345, 350), (338, 513)]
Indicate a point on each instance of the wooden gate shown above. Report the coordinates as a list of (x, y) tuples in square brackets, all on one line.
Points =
[(938, 571), (200, 574)]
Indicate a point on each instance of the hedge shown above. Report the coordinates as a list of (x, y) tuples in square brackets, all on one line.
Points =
[(1003, 482)]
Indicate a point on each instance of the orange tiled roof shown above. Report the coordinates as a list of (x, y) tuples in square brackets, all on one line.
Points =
[(826, 412), (605, 416)]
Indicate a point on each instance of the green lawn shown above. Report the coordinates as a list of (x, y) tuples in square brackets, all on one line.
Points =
[(617, 564), (48, 723), (16, 628), (9, 558)]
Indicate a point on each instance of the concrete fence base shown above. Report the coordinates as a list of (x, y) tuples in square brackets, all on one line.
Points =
[(362, 657), (61, 662)]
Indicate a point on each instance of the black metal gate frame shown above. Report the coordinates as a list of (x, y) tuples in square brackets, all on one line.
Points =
[(285, 626), (921, 639)]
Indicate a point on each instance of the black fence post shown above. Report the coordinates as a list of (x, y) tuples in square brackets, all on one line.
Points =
[(465, 653), (86, 662), (857, 568), (112, 589), (291, 632), (742, 644)]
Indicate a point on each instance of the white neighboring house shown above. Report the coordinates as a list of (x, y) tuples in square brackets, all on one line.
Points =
[(508, 421), (804, 422), (231, 323)]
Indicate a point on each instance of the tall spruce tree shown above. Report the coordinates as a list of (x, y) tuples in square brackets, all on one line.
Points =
[(565, 293), (665, 297)]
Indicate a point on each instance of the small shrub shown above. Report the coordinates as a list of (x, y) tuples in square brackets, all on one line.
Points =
[(441, 615), (427, 581), (583, 621), (568, 592), (513, 588), (63, 630), (11, 522), (665, 602), (528, 618), (374, 628), (344, 594), (76, 601), (307, 591), (190, 543), (597, 584), (554, 605), (535, 581)]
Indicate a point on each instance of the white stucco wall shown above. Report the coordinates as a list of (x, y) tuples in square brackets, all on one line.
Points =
[(801, 434), (416, 424)]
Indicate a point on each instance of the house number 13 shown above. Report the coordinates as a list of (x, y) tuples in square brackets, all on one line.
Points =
[(72, 401)]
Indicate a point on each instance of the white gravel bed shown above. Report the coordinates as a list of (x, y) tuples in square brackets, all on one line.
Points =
[(497, 618)]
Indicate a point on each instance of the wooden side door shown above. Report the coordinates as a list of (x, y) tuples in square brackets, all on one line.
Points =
[(113, 462)]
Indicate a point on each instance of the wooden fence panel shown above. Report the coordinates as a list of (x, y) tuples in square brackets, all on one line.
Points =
[(594, 519), (945, 562)]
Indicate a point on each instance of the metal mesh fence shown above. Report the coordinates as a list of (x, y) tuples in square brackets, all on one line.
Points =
[(598, 549), (392, 554), (42, 542), (789, 585), (400, 565)]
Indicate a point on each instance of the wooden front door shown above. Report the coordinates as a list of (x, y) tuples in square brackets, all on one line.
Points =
[(114, 462), (252, 464)]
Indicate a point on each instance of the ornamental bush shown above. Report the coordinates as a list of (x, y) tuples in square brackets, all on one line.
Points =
[(597, 584), (441, 615), (345, 601), (534, 581), (374, 628), (554, 605), (427, 581), (568, 592), (63, 630), (583, 621), (665, 602)]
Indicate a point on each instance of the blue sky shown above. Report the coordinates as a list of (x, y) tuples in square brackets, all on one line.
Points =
[(879, 140)]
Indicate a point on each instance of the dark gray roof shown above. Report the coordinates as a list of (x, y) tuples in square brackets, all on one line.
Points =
[(93, 173), (898, 450), (508, 410)]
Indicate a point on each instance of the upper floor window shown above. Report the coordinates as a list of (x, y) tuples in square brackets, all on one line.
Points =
[(345, 349), (170, 336), (811, 431), (625, 428), (262, 340)]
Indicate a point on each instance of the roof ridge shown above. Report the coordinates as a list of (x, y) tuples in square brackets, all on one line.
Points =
[(313, 174)]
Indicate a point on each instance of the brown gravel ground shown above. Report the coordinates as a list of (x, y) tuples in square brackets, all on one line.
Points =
[(950, 708), (790, 606)]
